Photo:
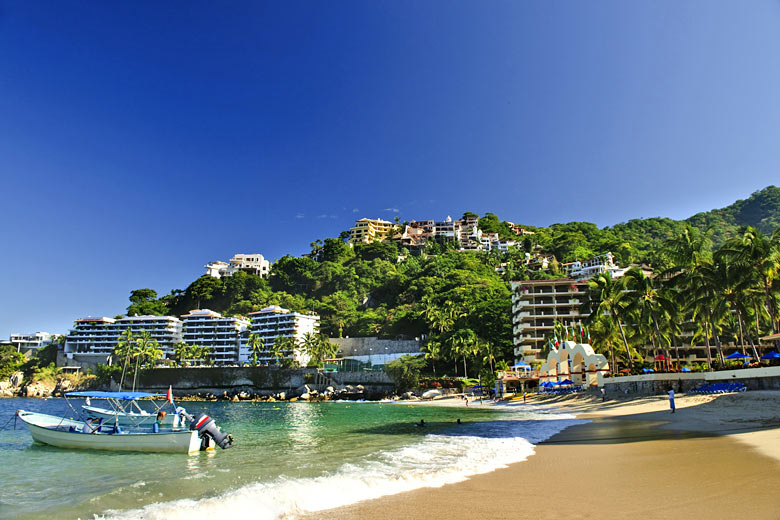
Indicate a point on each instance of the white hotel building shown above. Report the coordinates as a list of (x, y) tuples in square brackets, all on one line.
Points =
[(210, 329), (274, 321), (537, 305), (101, 335)]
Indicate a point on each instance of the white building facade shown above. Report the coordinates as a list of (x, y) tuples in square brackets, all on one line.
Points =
[(253, 263), (101, 335), (220, 334), (536, 306), (273, 322), (34, 341)]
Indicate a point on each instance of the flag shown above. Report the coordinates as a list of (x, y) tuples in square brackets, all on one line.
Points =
[(556, 340), (582, 331), (169, 397), (588, 334), (566, 328)]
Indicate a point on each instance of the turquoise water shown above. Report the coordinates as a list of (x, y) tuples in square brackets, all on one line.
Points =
[(289, 458)]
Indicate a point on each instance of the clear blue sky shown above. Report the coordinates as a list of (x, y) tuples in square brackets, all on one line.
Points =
[(140, 140)]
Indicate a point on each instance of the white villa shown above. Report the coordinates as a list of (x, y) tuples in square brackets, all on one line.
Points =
[(27, 342), (253, 263)]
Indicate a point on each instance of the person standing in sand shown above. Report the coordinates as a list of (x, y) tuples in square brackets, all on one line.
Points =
[(671, 399)]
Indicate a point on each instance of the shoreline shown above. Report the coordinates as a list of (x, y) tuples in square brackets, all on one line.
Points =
[(717, 456)]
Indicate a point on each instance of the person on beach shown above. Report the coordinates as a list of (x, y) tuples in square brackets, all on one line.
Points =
[(524, 397), (421, 423), (671, 399), (603, 394), (459, 421)]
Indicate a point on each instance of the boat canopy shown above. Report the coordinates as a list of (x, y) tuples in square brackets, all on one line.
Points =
[(125, 396)]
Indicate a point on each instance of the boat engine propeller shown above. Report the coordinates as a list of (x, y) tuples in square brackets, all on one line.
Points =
[(207, 428)]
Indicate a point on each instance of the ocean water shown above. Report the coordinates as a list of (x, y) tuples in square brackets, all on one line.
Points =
[(289, 459)]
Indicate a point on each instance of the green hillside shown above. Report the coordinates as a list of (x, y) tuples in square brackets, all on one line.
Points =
[(367, 291)]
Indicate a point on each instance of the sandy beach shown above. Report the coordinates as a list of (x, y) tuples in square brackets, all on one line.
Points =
[(716, 457)]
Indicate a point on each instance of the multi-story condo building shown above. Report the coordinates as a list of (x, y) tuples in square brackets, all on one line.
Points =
[(27, 342), (367, 230), (251, 263), (536, 305), (210, 329), (274, 321), (101, 335)]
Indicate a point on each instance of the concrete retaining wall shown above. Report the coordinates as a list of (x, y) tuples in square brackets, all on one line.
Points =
[(368, 346), (765, 378), (263, 380)]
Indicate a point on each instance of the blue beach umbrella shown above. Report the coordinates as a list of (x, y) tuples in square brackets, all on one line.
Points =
[(771, 355), (737, 355), (685, 369)]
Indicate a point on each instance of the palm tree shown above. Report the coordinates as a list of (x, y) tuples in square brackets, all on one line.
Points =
[(604, 299), (463, 343), (648, 304), (761, 256), (124, 349), (432, 351), (256, 346)]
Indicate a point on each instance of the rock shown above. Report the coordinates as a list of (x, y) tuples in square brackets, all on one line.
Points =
[(304, 397), (431, 394), (294, 399), (282, 396), (329, 390), (360, 388), (407, 395), (271, 399), (244, 396), (235, 398)]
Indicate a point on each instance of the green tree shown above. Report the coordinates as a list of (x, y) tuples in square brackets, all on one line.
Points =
[(256, 346), (405, 372)]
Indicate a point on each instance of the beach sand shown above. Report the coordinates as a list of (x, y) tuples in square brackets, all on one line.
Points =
[(717, 457)]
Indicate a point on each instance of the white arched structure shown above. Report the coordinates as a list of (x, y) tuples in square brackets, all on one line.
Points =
[(575, 361)]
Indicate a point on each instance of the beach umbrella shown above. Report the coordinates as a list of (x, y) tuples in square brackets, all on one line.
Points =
[(771, 355), (567, 382), (660, 357), (685, 369), (737, 355)]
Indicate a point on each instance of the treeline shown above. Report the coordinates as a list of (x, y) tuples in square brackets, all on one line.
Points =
[(705, 296)]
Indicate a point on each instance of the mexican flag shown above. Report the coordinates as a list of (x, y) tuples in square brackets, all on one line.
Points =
[(169, 396)]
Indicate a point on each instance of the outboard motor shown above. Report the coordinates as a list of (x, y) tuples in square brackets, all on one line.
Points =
[(207, 428)]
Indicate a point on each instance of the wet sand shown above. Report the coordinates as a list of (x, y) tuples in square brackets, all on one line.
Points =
[(631, 461)]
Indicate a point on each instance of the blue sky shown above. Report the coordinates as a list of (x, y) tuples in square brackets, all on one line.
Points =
[(140, 140)]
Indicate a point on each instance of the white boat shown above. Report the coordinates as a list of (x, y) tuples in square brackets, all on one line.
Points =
[(128, 411), (67, 433), (98, 434)]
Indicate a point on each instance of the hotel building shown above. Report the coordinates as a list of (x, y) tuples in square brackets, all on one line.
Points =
[(274, 321), (101, 335), (536, 305), (367, 230), (210, 329)]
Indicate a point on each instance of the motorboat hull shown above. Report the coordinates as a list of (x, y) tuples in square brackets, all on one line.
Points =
[(54, 431)]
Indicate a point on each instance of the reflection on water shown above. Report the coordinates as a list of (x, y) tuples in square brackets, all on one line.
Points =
[(302, 420)]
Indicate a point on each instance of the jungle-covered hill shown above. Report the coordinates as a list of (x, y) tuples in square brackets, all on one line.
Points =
[(367, 291)]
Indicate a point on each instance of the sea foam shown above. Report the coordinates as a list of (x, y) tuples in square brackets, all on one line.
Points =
[(436, 460)]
